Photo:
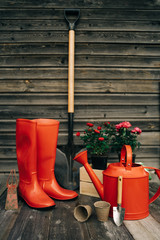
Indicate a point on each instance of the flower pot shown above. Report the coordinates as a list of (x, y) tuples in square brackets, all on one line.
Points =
[(99, 162)]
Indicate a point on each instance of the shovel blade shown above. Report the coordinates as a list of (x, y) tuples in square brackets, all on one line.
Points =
[(118, 215)]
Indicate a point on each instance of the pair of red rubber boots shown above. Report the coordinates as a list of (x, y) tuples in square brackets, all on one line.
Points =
[(36, 142)]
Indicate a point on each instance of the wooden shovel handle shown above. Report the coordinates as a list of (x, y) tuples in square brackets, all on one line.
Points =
[(71, 72), (119, 197)]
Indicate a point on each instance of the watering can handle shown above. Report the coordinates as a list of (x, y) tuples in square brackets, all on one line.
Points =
[(126, 152), (157, 194)]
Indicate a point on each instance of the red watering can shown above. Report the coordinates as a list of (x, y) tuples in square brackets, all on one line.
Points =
[(135, 195)]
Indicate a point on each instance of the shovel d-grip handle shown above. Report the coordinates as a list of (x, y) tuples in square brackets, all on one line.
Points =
[(157, 194), (73, 12), (126, 156)]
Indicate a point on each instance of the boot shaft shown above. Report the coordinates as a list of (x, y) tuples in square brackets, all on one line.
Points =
[(26, 148), (47, 136)]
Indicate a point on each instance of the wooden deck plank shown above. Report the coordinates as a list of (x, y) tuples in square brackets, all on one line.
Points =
[(152, 226), (64, 226), (147, 228), (7, 218), (3, 179), (154, 208), (31, 224)]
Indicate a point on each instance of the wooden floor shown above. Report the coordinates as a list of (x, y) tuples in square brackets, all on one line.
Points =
[(59, 223)]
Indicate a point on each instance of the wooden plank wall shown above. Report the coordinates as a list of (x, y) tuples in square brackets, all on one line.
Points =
[(117, 68)]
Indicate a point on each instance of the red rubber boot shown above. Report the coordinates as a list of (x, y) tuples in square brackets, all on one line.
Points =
[(47, 135), (26, 147)]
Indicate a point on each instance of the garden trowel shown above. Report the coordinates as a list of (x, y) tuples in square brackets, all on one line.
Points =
[(119, 212)]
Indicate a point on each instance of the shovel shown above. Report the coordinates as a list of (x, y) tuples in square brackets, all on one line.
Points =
[(118, 212), (71, 16)]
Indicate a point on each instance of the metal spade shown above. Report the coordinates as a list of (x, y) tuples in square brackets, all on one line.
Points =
[(118, 212)]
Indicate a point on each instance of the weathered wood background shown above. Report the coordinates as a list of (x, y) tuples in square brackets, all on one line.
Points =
[(117, 68)]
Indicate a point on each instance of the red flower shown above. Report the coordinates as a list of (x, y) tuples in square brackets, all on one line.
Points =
[(96, 131), (123, 125), (101, 139), (118, 126), (78, 134), (99, 128), (89, 130), (126, 124), (106, 123), (137, 130), (89, 124)]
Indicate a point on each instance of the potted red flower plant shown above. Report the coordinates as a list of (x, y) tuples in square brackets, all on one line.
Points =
[(125, 136), (98, 142)]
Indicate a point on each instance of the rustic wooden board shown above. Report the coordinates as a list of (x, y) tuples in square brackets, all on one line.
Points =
[(53, 48), (91, 112), (80, 73), (73, 4), (31, 224), (155, 206), (80, 61), (7, 218), (150, 24), (147, 228), (89, 86), (145, 151), (150, 125), (80, 99), (146, 138), (81, 36), (3, 181), (63, 223), (6, 164)]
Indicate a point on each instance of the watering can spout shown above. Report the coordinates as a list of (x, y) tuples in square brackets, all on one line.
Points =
[(83, 159)]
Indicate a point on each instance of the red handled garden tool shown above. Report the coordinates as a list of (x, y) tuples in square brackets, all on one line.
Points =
[(71, 16)]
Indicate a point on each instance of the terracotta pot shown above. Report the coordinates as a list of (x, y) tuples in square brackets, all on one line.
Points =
[(99, 162)]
